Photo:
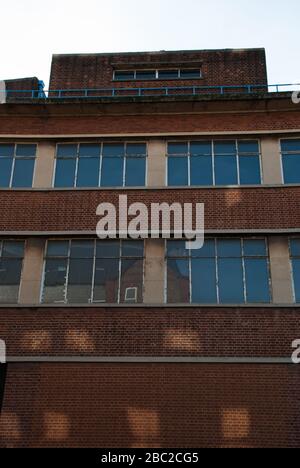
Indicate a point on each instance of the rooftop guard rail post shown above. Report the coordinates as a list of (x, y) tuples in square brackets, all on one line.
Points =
[(93, 93)]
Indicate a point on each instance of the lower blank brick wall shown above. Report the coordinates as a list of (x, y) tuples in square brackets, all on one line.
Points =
[(151, 405)]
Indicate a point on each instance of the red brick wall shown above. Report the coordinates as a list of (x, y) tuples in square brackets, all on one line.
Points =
[(161, 405), (209, 332), (221, 67), (75, 210)]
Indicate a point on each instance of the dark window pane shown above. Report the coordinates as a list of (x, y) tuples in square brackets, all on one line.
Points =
[(66, 151), (112, 172), (120, 75), (249, 170), (168, 74), (225, 147), (201, 170), (177, 171), (229, 248), (106, 281), (208, 250), (291, 168), (178, 148), (248, 147), (5, 172), (226, 170), (89, 151), (296, 270), (136, 149), (178, 281), (7, 151), (23, 173), (58, 249), (65, 173), (55, 281), (80, 280), (82, 249), (255, 247), (201, 148), (290, 145), (257, 280), (295, 247), (204, 289), (108, 249), (133, 248), (231, 287), (132, 281), (190, 74), (146, 75), (135, 172), (13, 249), (26, 151), (88, 172), (10, 276), (113, 150), (177, 249)]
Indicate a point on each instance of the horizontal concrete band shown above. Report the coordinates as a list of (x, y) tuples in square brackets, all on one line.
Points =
[(149, 360)]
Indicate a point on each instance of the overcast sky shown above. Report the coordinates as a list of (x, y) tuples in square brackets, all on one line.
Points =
[(31, 31)]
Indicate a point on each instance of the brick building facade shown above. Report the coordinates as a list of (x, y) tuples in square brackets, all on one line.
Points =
[(146, 344)]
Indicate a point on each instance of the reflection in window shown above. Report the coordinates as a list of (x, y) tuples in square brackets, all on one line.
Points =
[(17, 165), (105, 165), (207, 163), (94, 271), (295, 258), (290, 150), (11, 260), (224, 271), (167, 74)]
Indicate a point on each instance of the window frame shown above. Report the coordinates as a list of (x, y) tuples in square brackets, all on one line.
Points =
[(22, 158), (24, 241), (292, 257), (157, 77), (212, 142), (282, 154), (68, 258)]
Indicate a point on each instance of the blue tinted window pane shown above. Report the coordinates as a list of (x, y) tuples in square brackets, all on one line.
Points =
[(290, 145), (229, 248), (168, 74), (135, 172), (178, 148), (112, 172), (225, 147), (226, 170), (291, 168), (257, 280), (88, 172), (65, 173), (201, 148), (5, 172), (178, 281), (295, 247), (124, 75), (204, 281), (108, 249), (7, 151), (177, 249), (177, 171), (26, 151), (23, 173), (113, 150), (87, 150), (190, 74), (66, 151), (296, 270), (82, 249), (249, 170), (133, 249), (58, 249), (255, 247), (231, 288), (13, 249), (248, 147), (146, 75), (208, 250), (136, 149), (201, 170)]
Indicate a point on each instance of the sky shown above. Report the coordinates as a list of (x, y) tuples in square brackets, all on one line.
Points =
[(32, 31)]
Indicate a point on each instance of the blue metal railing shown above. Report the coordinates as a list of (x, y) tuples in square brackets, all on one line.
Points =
[(148, 92)]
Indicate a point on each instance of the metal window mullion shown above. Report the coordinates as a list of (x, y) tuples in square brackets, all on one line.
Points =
[(189, 164), (213, 161), (238, 161), (13, 167), (292, 257), (267, 257), (67, 273), (100, 165), (244, 272), (217, 271), (77, 166), (120, 271), (94, 273), (124, 164)]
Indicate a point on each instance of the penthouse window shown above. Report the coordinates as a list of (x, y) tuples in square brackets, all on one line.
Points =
[(17, 165), (11, 261), (207, 163), (93, 271), (290, 150), (295, 259), (224, 271), (101, 165), (151, 75)]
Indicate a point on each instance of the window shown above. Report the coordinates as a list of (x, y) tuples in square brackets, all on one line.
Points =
[(224, 271), (101, 165), (295, 258), (210, 163), (11, 261), (151, 75), (93, 271), (17, 165), (290, 150)]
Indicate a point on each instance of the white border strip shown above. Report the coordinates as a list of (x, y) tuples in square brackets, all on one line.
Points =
[(2, 92)]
